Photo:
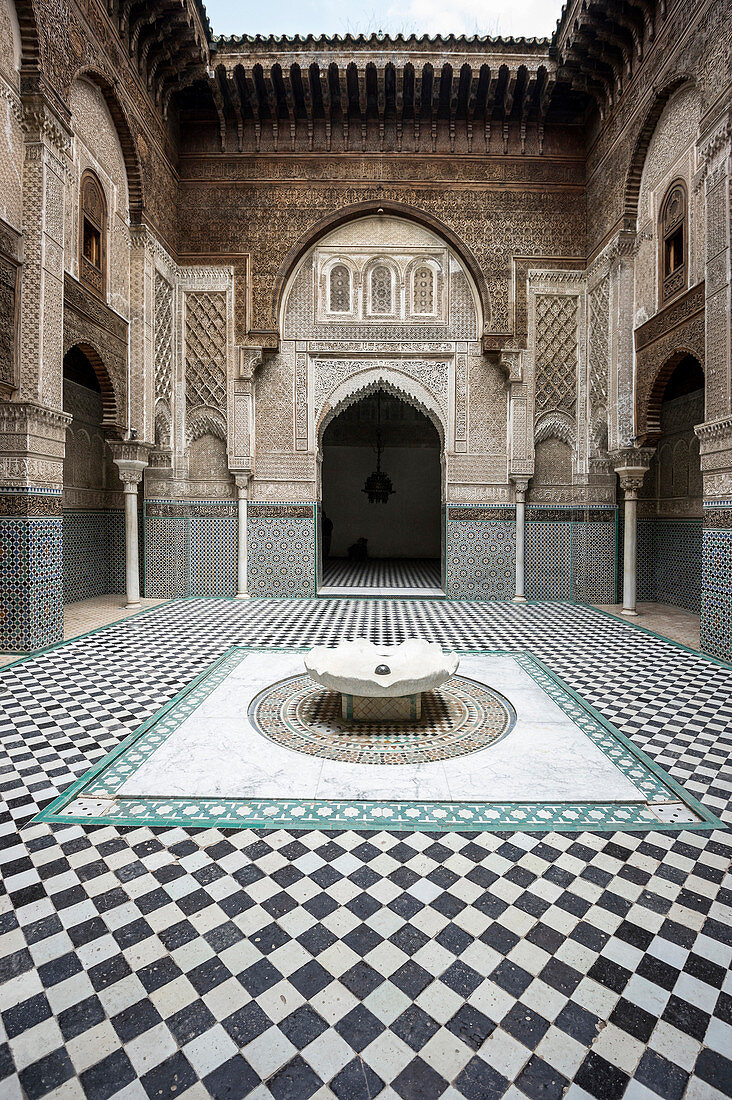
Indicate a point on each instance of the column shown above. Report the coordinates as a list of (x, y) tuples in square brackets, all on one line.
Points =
[(131, 459), (242, 562), (631, 465), (522, 484)]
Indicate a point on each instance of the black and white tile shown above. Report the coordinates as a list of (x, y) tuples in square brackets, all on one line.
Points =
[(380, 573), (147, 962)]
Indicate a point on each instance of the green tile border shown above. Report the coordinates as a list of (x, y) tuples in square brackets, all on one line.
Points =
[(648, 777)]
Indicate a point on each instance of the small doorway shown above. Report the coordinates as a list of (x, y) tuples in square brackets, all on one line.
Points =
[(381, 501)]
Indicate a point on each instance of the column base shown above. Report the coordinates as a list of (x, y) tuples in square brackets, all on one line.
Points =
[(519, 599), (242, 596), (629, 611), (133, 606)]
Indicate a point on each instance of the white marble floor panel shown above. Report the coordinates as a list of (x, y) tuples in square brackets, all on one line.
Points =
[(216, 752)]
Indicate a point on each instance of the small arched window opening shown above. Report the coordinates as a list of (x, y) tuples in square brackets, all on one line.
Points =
[(424, 290), (382, 293), (340, 289), (674, 242), (92, 234)]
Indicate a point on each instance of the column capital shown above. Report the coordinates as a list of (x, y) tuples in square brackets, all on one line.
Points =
[(521, 483), (131, 458), (242, 479), (631, 464)]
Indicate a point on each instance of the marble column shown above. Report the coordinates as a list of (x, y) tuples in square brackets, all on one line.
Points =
[(242, 561), (631, 465), (521, 484), (131, 459)]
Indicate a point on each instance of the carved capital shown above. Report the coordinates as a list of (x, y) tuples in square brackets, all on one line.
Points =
[(521, 485), (630, 464), (42, 125), (131, 457), (242, 479), (510, 360)]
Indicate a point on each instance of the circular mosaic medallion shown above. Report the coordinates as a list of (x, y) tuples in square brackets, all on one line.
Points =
[(461, 717)]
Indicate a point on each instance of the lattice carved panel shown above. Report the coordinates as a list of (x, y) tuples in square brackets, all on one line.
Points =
[(205, 354), (556, 352), (599, 358), (163, 337)]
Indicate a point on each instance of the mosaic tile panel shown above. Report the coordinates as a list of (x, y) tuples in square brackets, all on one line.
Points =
[(716, 595), (593, 562), (645, 580), (166, 557), (212, 549), (190, 548), (31, 604), (462, 717), (548, 560), (93, 554), (281, 549), (670, 561), (481, 552), (571, 553)]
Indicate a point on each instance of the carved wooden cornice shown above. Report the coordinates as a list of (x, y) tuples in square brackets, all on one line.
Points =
[(599, 44), (442, 93)]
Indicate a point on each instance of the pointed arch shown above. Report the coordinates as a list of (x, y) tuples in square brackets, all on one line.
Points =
[(370, 380), (109, 399), (127, 141), (388, 208), (643, 140)]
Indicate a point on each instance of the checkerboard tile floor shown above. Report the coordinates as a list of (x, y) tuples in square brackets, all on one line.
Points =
[(163, 963), (381, 573)]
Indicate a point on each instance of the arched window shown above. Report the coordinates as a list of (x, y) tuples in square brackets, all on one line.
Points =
[(673, 235), (340, 289), (424, 290), (92, 234), (381, 290)]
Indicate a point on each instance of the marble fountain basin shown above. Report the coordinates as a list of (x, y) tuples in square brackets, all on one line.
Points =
[(379, 682)]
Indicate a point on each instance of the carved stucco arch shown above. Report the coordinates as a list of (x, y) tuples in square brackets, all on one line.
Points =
[(126, 139), (368, 381), (369, 209), (110, 422), (556, 425), (652, 425), (634, 173), (205, 421)]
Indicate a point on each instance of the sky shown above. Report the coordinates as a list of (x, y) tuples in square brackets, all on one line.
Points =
[(289, 17)]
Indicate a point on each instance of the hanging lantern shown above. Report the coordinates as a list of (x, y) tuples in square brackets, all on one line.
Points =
[(378, 487)]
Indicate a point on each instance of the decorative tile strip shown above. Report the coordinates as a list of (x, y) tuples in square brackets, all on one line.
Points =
[(571, 513), (481, 512), (30, 504), (718, 518), (281, 511), (168, 508), (220, 509)]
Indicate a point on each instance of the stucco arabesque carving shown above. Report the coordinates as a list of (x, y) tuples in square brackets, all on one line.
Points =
[(353, 387), (557, 425), (330, 374)]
